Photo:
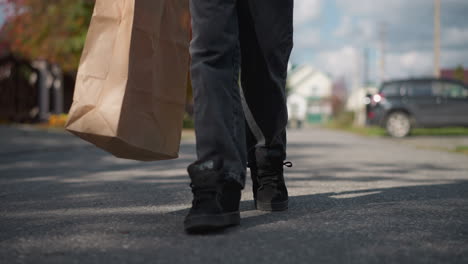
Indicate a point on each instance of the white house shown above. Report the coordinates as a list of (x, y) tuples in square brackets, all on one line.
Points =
[(297, 109), (315, 89)]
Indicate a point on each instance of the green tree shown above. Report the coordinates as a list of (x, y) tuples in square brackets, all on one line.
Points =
[(52, 30)]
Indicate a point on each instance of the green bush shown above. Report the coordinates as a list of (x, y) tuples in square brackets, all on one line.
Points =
[(343, 119), (188, 122)]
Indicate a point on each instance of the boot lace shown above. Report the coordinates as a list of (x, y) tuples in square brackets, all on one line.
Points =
[(271, 177)]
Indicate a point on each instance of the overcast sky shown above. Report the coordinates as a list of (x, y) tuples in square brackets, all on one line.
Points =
[(332, 35)]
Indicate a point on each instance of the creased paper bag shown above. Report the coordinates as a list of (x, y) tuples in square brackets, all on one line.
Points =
[(131, 83)]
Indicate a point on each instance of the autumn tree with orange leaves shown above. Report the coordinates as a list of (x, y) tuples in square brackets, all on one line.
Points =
[(51, 30)]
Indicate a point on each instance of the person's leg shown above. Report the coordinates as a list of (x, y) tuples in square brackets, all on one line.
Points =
[(219, 172), (219, 121), (266, 32)]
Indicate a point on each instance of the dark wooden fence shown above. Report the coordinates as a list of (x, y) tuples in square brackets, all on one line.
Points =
[(21, 86), (18, 90)]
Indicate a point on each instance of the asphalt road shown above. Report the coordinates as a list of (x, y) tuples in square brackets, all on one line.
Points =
[(353, 200)]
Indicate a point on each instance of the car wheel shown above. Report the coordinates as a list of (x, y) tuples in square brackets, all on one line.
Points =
[(398, 124)]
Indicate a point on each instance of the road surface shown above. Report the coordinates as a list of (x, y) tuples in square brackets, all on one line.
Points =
[(353, 200)]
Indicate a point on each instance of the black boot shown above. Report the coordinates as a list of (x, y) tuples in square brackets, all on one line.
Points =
[(269, 189), (215, 202)]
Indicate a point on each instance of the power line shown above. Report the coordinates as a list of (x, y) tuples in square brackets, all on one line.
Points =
[(437, 38)]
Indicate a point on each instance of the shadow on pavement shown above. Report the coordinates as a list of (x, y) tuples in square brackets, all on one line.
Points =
[(137, 220)]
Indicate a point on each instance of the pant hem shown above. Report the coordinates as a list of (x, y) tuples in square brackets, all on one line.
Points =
[(237, 177)]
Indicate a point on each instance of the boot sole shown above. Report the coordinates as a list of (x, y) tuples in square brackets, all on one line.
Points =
[(207, 223), (280, 206)]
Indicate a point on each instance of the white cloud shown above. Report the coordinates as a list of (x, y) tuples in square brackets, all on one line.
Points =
[(455, 36), (360, 30), (409, 24), (306, 11), (348, 62), (308, 38), (345, 27), (408, 64), (381, 8), (409, 37), (418, 63), (344, 62)]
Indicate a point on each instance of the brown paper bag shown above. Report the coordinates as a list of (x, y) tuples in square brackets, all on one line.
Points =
[(131, 84)]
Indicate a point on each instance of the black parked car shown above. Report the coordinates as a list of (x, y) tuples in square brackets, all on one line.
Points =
[(405, 104)]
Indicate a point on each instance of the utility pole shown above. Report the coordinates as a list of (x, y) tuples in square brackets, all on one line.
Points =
[(366, 67), (437, 38), (382, 46)]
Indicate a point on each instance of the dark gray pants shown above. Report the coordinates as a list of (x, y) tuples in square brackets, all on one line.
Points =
[(254, 36)]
